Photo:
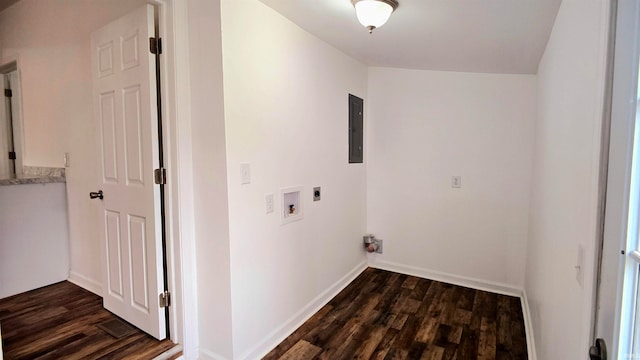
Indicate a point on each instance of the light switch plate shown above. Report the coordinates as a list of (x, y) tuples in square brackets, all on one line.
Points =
[(580, 266), (456, 181), (245, 173), (268, 198)]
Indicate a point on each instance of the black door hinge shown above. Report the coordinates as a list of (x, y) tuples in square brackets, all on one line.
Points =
[(155, 45), (165, 299), (8, 93), (12, 155), (160, 176)]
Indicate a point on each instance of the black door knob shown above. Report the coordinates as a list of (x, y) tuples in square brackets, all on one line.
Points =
[(97, 195)]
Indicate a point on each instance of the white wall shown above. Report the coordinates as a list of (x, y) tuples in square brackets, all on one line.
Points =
[(286, 113), (34, 238), (210, 180), (51, 41), (425, 127), (564, 188), (285, 110)]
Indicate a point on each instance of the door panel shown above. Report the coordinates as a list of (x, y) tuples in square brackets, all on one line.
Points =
[(132, 113), (126, 113), (108, 127), (130, 56), (139, 273), (114, 254)]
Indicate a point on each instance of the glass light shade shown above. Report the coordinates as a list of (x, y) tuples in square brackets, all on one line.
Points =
[(372, 13)]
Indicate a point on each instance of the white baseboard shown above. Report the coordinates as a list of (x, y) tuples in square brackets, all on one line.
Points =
[(278, 335), (528, 326), (210, 355), (85, 283), (473, 283), (169, 353)]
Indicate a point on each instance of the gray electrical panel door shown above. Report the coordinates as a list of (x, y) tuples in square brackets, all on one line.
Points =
[(356, 132)]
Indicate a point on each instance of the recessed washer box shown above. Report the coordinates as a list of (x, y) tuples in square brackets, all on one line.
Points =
[(292, 204)]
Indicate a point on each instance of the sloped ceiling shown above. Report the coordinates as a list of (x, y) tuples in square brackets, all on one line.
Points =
[(487, 36)]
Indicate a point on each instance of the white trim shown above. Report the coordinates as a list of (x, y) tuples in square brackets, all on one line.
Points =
[(473, 283), (528, 326), (183, 318), (169, 353), (599, 173), (85, 282), (609, 325), (210, 355), (18, 122), (279, 334)]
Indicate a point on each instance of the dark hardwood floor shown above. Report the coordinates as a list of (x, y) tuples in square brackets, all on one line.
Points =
[(59, 321), (385, 315)]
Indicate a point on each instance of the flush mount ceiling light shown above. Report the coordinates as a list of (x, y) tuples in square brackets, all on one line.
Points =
[(374, 13)]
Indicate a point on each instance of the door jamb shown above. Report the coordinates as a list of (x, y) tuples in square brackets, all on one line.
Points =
[(605, 144), (612, 244), (7, 65), (183, 314)]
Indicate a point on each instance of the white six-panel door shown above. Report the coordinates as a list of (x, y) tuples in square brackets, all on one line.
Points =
[(125, 110)]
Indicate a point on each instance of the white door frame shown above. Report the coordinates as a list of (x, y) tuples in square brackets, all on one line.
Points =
[(7, 65), (181, 267), (607, 320)]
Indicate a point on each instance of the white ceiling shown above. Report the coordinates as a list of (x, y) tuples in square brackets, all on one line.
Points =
[(490, 36)]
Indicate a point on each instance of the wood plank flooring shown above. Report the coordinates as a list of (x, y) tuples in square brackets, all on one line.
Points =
[(59, 321), (385, 315)]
